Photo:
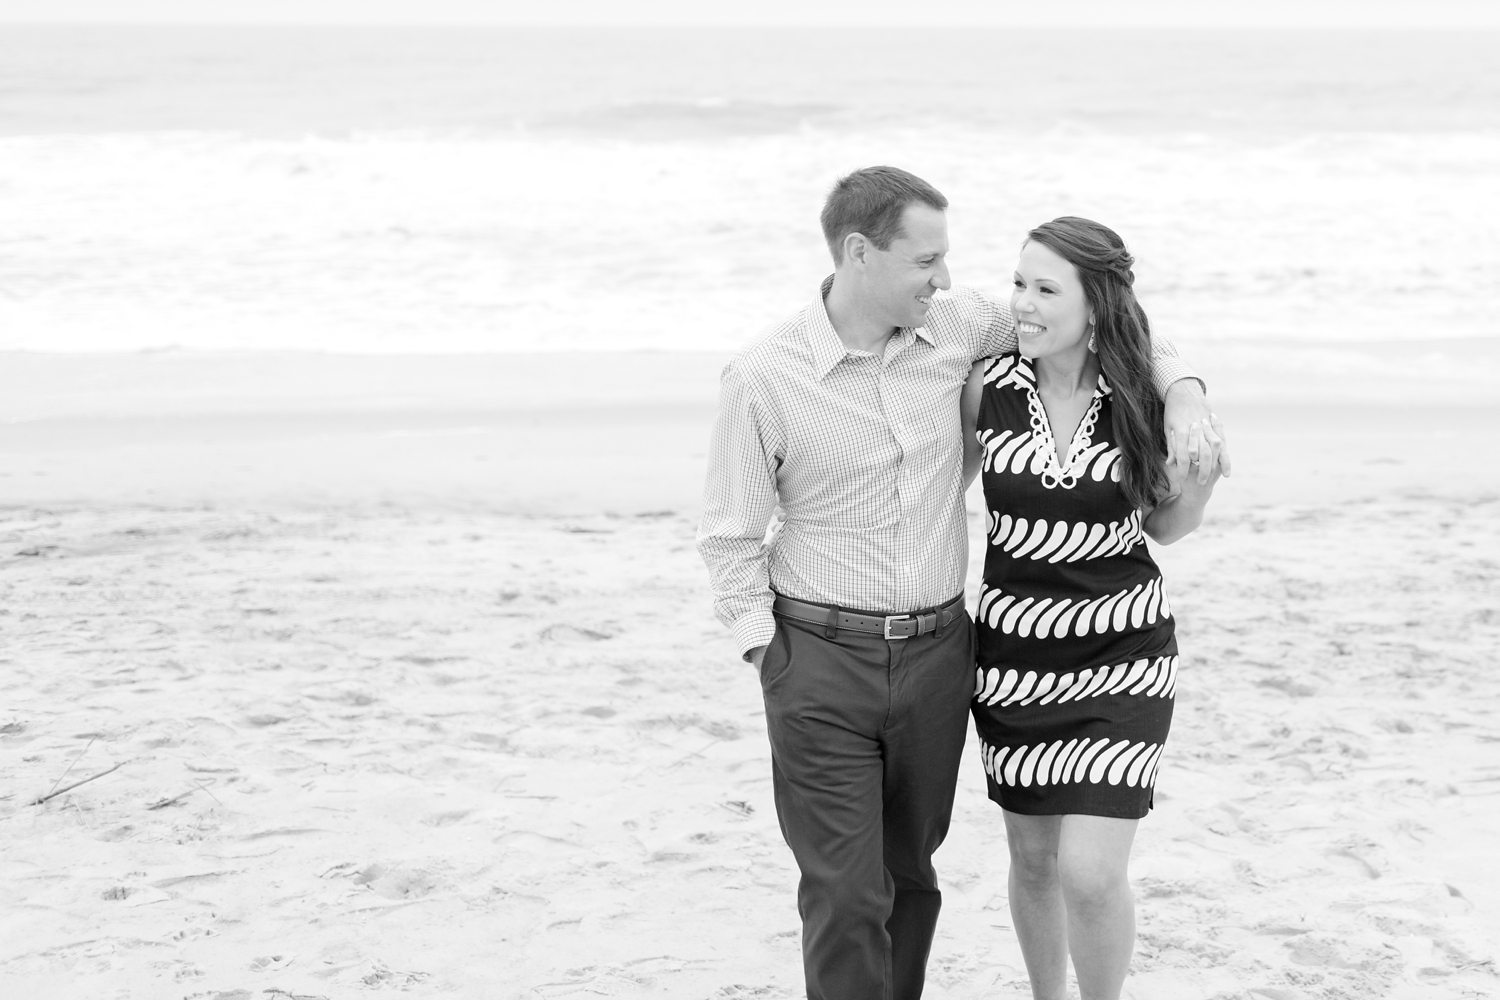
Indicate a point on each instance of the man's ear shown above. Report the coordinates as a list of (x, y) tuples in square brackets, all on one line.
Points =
[(856, 248)]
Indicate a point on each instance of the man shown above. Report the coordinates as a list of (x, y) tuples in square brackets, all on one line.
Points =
[(847, 416)]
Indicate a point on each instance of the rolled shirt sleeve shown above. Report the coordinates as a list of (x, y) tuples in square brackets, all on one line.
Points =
[(1168, 367), (738, 503), (996, 327)]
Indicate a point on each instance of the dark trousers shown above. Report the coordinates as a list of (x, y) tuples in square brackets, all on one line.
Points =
[(866, 735)]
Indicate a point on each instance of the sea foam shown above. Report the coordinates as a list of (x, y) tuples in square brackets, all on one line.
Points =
[(401, 242)]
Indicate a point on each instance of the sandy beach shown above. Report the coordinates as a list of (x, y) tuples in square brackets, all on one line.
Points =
[(409, 681), (355, 391)]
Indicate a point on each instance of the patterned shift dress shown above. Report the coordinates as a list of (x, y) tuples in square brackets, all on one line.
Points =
[(1077, 657)]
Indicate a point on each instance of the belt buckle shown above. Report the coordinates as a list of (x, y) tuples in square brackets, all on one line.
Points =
[(895, 618)]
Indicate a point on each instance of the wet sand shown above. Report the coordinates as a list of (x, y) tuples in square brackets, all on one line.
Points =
[(627, 433)]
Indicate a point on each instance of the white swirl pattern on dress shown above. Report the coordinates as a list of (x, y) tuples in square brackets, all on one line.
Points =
[(1148, 677), (1038, 445), (1080, 540), (1141, 605), (1057, 763), (1019, 449), (1007, 370)]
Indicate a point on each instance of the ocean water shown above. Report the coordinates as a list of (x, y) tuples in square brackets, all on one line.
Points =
[(458, 190)]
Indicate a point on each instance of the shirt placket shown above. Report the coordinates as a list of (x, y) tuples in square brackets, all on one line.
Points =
[(895, 405)]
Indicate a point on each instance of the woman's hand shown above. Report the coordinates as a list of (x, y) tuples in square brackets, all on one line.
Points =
[(1181, 512), (1185, 473), (1186, 405)]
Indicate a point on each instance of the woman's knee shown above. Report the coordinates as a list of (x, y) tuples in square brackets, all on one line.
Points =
[(1092, 882), (1093, 858), (1032, 842), (1033, 862)]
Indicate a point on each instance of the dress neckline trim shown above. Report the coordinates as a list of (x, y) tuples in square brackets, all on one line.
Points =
[(1054, 472)]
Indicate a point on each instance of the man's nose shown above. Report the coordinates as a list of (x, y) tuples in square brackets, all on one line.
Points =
[(941, 279)]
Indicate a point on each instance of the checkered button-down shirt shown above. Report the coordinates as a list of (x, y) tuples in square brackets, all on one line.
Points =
[(864, 455)]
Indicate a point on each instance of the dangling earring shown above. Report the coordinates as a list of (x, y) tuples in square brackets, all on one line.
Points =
[(1092, 348)]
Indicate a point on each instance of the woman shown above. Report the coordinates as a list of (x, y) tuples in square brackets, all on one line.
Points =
[(1077, 653)]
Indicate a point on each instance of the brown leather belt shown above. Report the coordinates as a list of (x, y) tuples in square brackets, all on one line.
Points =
[(889, 626)]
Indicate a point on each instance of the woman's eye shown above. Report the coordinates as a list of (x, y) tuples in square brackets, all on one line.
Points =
[(1017, 283)]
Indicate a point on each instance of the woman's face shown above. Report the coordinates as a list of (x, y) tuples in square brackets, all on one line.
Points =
[(1052, 314)]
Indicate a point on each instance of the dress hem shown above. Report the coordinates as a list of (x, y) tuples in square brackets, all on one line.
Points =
[(1043, 809)]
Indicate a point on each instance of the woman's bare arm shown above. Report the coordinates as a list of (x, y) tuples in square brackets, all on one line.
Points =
[(969, 417), (1181, 512)]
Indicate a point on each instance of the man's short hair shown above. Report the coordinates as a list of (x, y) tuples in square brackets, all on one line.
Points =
[(871, 201)]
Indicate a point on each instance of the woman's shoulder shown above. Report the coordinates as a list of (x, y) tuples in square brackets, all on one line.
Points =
[(1008, 371)]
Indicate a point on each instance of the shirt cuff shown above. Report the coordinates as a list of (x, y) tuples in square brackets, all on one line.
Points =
[(1171, 370), (754, 628)]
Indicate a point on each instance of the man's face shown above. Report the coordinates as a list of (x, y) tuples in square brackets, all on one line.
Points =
[(901, 280)]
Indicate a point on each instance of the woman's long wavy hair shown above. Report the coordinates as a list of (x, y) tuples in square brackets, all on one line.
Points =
[(1122, 335)]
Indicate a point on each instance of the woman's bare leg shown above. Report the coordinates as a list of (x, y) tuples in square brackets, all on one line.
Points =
[(1036, 902), (1093, 855)]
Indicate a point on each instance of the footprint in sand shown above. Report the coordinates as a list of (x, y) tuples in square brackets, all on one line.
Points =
[(187, 970), (1338, 952), (369, 874), (381, 976), (447, 818), (135, 895), (738, 990), (398, 883), (271, 963), (264, 720), (572, 634)]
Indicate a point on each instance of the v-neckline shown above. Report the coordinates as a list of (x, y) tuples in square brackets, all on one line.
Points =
[(1061, 467), (1062, 460)]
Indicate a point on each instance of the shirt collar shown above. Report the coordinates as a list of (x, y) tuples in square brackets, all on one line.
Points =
[(827, 349)]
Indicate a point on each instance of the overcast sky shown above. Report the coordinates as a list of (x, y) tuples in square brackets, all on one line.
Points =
[(1216, 13)]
